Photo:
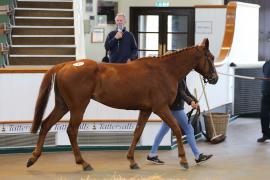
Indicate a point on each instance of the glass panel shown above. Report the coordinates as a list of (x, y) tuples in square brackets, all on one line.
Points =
[(148, 41), (148, 54), (176, 41), (177, 23), (148, 23)]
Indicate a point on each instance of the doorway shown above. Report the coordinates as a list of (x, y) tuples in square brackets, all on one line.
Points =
[(158, 30)]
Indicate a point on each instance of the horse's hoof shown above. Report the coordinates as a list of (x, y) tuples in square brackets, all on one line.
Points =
[(88, 168), (29, 163), (134, 166), (184, 165)]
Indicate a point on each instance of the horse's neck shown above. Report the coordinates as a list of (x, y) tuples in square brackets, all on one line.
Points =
[(179, 65)]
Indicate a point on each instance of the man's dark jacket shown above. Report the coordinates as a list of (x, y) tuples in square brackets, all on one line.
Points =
[(120, 50)]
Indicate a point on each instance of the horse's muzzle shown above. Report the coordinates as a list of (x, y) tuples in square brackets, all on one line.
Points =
[(213, 79)]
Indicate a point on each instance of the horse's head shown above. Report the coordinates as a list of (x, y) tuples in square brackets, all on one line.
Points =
[(206, 63)]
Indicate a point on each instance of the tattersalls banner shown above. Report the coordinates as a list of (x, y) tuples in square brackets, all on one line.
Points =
[(89, 126)]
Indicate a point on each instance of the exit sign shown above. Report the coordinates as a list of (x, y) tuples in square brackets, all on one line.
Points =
[(162, 4)]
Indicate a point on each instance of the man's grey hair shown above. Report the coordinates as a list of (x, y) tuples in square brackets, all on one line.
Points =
[(120, 14)]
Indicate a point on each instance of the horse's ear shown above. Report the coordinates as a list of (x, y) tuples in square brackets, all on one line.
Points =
[(205, 43)]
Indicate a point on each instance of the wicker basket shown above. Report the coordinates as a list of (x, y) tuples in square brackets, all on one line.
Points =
[(220, 123)]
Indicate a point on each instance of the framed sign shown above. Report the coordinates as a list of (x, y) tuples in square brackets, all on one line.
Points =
[(98, 35), (203, 27)]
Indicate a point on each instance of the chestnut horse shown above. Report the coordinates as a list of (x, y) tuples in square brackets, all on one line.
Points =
[(148, 84)]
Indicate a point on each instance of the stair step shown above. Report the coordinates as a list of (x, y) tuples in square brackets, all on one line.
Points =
[(49, 18), (43, 30), (46, 4), (43, 9), (44, 0), (44, 46), (39, 50), (41, 39), (39, 60), (39, 12), (44, 22), (56, 36)]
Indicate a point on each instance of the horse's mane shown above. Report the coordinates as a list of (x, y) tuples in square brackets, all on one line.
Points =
[(169, 53)]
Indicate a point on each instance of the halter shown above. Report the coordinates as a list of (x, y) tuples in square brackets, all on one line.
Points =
[(207, 78), (212, 70)]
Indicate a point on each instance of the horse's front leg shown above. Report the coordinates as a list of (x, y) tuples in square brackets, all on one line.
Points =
[(143, 117), (166, 115)]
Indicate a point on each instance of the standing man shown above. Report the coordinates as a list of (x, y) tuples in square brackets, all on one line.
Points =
[(265, 104), (120, 43)]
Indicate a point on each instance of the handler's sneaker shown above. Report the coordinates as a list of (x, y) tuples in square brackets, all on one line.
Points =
[(154, 160), (203, 158)]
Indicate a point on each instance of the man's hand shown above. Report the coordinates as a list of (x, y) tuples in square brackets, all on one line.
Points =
[(118, 35)]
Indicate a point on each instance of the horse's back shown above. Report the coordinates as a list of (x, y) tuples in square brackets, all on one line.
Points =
[(73, 68), (77, 77), (131, 85)]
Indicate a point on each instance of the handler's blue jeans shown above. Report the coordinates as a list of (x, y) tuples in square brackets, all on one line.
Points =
[(182, 120)]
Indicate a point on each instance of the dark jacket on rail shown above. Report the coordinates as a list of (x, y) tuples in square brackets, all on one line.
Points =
[(122, 49)]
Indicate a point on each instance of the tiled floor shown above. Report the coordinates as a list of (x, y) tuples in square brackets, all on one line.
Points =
[(239, 157)]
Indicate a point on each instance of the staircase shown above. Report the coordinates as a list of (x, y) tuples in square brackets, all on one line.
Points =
[(43, 33)]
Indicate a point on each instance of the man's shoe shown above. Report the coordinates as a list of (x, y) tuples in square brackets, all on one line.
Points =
[(154, 160), (263, 138), (203, 158)]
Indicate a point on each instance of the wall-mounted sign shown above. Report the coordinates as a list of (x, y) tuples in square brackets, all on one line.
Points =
[(97, 35), (203, 27), (101, 20), (162, 4)]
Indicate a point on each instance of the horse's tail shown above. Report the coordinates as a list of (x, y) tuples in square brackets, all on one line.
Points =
[(43, 96)]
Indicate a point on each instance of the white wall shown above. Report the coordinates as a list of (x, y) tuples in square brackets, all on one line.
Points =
[(246, 35), (79, 29), (210, 23), (244, 49), (213, 21)]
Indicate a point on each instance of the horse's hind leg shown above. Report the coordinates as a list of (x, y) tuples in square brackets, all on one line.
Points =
[(166, 115), (72, 130), (143, 117), (57, 113)]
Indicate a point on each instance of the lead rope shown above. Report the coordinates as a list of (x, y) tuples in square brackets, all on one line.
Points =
[(245, 77)]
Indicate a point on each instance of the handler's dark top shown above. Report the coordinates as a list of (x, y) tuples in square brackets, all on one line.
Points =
[(120, 50), (266, 84), (183, 94)]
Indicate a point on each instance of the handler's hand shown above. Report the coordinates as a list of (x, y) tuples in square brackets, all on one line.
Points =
[(194, 105)]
